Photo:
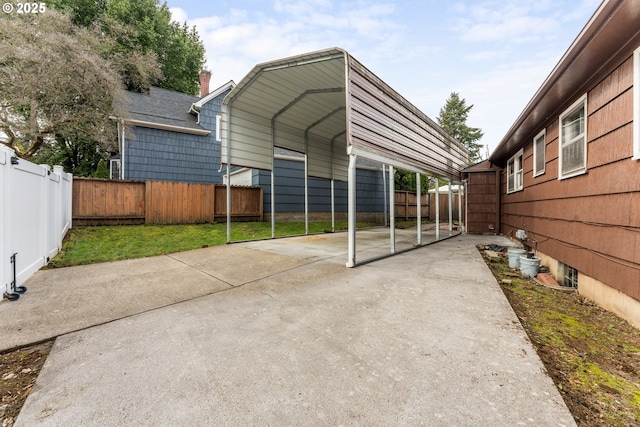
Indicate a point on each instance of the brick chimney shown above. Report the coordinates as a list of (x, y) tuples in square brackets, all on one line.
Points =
[(205, 77)]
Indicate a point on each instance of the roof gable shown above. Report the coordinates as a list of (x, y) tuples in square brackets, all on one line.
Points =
[(222, 89)]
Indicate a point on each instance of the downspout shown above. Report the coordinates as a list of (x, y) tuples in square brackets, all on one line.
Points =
[(228, 139), (121, 134)]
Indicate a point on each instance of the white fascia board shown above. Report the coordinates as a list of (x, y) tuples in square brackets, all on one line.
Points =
[(181, 129), (198, 104)]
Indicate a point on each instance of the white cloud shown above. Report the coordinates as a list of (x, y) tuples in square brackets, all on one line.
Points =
[(239, 39), (177, 14)]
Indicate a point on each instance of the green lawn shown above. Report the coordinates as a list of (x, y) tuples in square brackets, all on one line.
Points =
[(88, 245)]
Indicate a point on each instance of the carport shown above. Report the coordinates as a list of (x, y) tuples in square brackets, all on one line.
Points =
[(331, 108)]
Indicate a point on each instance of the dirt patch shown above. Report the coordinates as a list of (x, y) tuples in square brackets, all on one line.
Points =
[(19, 370), (592, 355)]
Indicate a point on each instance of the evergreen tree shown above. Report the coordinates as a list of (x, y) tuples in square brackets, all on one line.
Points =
[(453, 119), (144, 31)]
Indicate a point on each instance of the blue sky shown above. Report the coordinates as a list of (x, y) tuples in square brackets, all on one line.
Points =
[(494, 53)]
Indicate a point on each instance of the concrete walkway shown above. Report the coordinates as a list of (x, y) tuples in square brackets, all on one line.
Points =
[(279, 332)]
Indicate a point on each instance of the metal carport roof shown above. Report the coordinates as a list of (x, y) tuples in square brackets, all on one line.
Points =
[(330, 107)]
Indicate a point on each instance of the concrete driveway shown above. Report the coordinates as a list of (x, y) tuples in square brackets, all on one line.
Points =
[(280, 333)]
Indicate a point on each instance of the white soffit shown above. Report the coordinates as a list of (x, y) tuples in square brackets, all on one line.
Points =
[(320, 104)]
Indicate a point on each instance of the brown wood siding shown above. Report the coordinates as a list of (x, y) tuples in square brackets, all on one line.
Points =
[(483, 205), (105, 202), (592, 221)]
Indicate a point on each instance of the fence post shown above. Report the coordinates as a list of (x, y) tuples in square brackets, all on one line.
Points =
[(148, 200)]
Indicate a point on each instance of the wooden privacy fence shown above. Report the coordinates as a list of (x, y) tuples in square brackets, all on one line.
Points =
[(106, 202), (406, 206)]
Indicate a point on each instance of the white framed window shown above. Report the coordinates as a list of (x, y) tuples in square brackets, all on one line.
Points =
[(636, 104), (514, 173), (218, 130), (573, 140), (114, 170), (539, 157), (568, 276)]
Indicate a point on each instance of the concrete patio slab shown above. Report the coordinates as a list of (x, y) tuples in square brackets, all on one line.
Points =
[(63, 300), (423, 338)]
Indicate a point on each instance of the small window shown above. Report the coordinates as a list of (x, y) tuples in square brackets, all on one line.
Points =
[(569, 276), (514, 173), (539, 145), (573, 140), (636, 104), (218, 130), (114, 172)]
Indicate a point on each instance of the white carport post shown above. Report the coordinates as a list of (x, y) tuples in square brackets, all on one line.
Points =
[(419, 208), (273, 178), (392, 213), (437, 208), (450, 200), (306, 189), (460, 208), (384, 191), (351, 207)]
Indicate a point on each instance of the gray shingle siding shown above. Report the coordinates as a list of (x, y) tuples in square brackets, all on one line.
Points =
[(164, 155), (289, 180)]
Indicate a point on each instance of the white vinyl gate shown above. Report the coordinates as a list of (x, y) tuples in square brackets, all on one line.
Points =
[(35, 213)]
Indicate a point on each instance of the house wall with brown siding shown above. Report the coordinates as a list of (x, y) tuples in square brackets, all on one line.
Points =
[(590, 222), (483, 204)]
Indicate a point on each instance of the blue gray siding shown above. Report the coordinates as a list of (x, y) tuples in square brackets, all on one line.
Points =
[(163, 155), (289, 181)]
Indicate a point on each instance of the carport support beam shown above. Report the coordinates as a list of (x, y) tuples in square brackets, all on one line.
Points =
[(450, 199), (437, 208), (273, 204), (351, 206), (384, 191), (392, 213), (419, 208), (306, 191), (460, 208)]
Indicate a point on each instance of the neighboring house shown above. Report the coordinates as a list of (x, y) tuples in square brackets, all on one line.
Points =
[(171, 136), (571, 164)]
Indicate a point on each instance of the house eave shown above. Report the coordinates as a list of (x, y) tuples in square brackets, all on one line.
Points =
[(196, 106), (609, 36), (161, 126)]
